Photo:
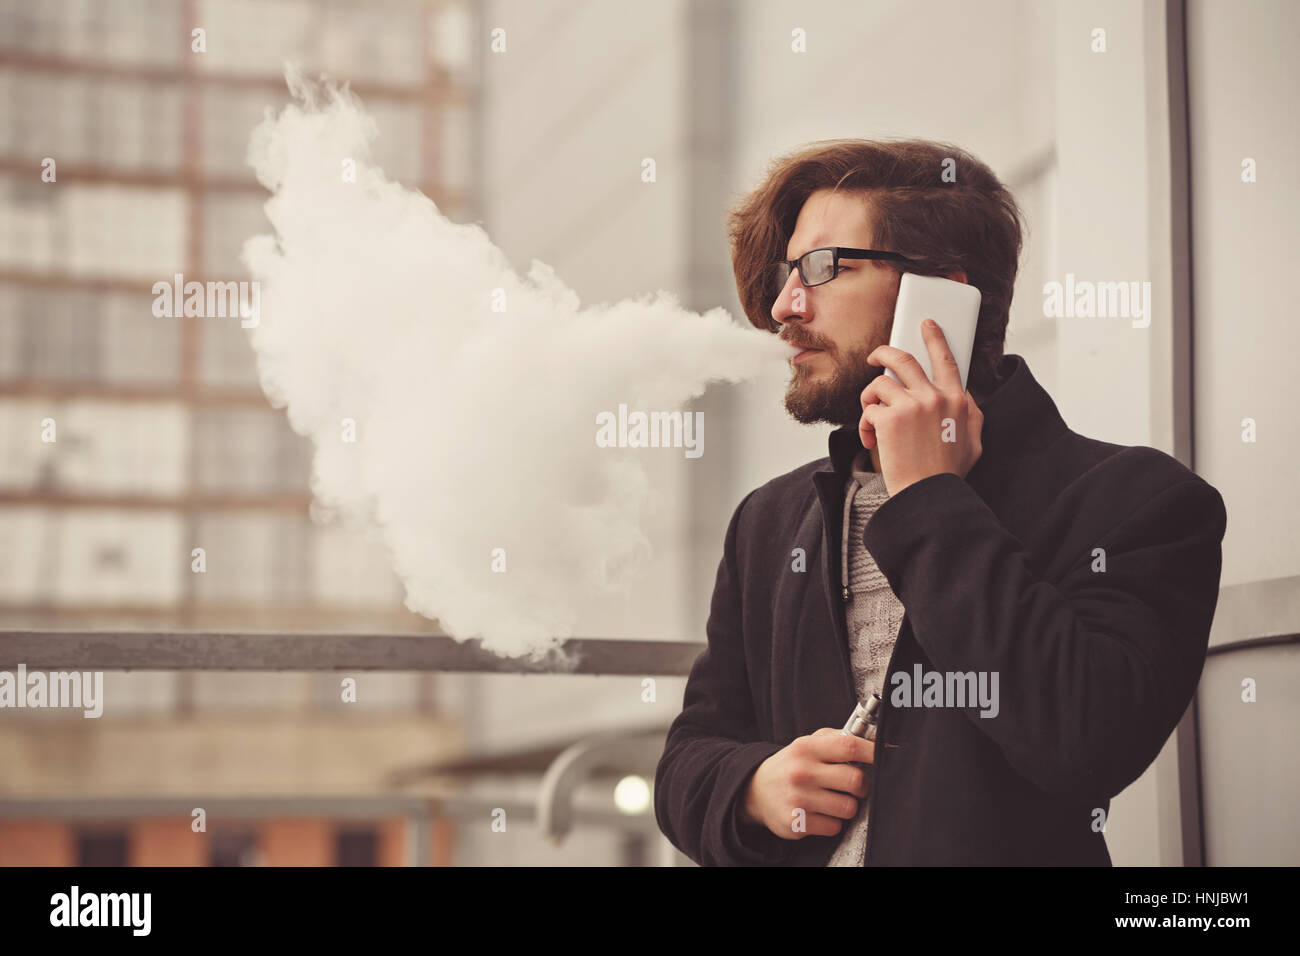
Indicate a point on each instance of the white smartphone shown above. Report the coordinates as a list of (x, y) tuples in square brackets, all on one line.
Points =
[(954, 305)]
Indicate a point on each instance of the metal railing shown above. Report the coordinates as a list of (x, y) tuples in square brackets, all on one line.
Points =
[(271, 651)]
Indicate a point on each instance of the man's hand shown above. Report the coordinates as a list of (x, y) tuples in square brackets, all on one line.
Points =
[(923, 428), (815, 775)]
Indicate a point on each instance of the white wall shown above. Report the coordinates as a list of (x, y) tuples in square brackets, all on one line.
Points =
[(1244, 83)]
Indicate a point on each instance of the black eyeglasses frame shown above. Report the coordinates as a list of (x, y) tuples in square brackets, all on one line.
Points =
[(838, 253)]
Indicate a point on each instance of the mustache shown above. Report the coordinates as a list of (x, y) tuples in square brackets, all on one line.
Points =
[(806, 342)]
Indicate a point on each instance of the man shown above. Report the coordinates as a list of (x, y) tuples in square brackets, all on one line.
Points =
[(1033, 606)]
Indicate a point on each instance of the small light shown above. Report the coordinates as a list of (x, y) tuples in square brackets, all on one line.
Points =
[(632, 794)]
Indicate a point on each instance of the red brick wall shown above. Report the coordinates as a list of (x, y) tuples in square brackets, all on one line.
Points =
[(166, 841), (37, 843), (298, 841)]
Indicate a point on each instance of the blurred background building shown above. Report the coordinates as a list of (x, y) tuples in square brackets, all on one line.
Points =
[(1126, 161)]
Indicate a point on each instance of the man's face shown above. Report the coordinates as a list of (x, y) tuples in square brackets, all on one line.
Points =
[(844, 320)]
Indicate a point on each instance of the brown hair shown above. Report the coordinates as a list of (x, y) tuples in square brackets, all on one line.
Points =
[(971, 224)]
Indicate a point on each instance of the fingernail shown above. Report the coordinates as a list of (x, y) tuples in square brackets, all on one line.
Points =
[(931, 324)]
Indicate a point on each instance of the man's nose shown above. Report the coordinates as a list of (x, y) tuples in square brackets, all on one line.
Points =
[(791, 304)]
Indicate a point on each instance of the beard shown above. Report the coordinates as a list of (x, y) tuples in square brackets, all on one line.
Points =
[(836, 400)]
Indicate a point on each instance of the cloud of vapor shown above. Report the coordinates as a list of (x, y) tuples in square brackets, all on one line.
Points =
[(474, 429)]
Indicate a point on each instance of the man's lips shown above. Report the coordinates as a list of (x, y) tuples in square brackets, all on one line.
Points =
[(804, 355)]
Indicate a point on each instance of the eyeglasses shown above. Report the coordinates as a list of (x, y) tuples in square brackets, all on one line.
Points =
[(819, 266)]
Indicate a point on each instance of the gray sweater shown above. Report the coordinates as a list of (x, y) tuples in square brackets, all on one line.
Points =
[(874, 616)]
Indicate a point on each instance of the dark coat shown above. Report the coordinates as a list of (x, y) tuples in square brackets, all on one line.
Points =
[(996, 573)]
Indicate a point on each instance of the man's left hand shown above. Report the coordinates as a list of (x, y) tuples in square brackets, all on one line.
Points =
[(922, 428)]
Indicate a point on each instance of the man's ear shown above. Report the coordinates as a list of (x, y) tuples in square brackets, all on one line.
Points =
[(957, 277)]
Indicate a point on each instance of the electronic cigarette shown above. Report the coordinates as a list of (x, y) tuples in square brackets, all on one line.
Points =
[(862, 723)]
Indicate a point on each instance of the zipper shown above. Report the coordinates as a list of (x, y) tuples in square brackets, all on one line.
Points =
[(842, 639), (823, 482), (880, 739)]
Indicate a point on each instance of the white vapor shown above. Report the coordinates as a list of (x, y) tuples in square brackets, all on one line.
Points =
[(475, 429)]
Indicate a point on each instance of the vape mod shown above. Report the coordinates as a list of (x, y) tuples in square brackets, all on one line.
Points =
[(862, 723)]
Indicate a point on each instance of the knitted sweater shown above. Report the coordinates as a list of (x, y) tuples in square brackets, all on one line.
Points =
[(874, 616)]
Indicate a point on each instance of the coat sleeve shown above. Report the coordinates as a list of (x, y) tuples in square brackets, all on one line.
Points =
[(713, 746), (1096, 669)]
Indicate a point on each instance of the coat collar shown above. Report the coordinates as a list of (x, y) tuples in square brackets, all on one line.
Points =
[(1019, 415)]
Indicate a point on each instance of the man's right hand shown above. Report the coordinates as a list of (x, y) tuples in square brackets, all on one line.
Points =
[(814, 774)]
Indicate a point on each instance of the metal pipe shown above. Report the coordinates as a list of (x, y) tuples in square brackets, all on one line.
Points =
[(555, 794), (222, 651)]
